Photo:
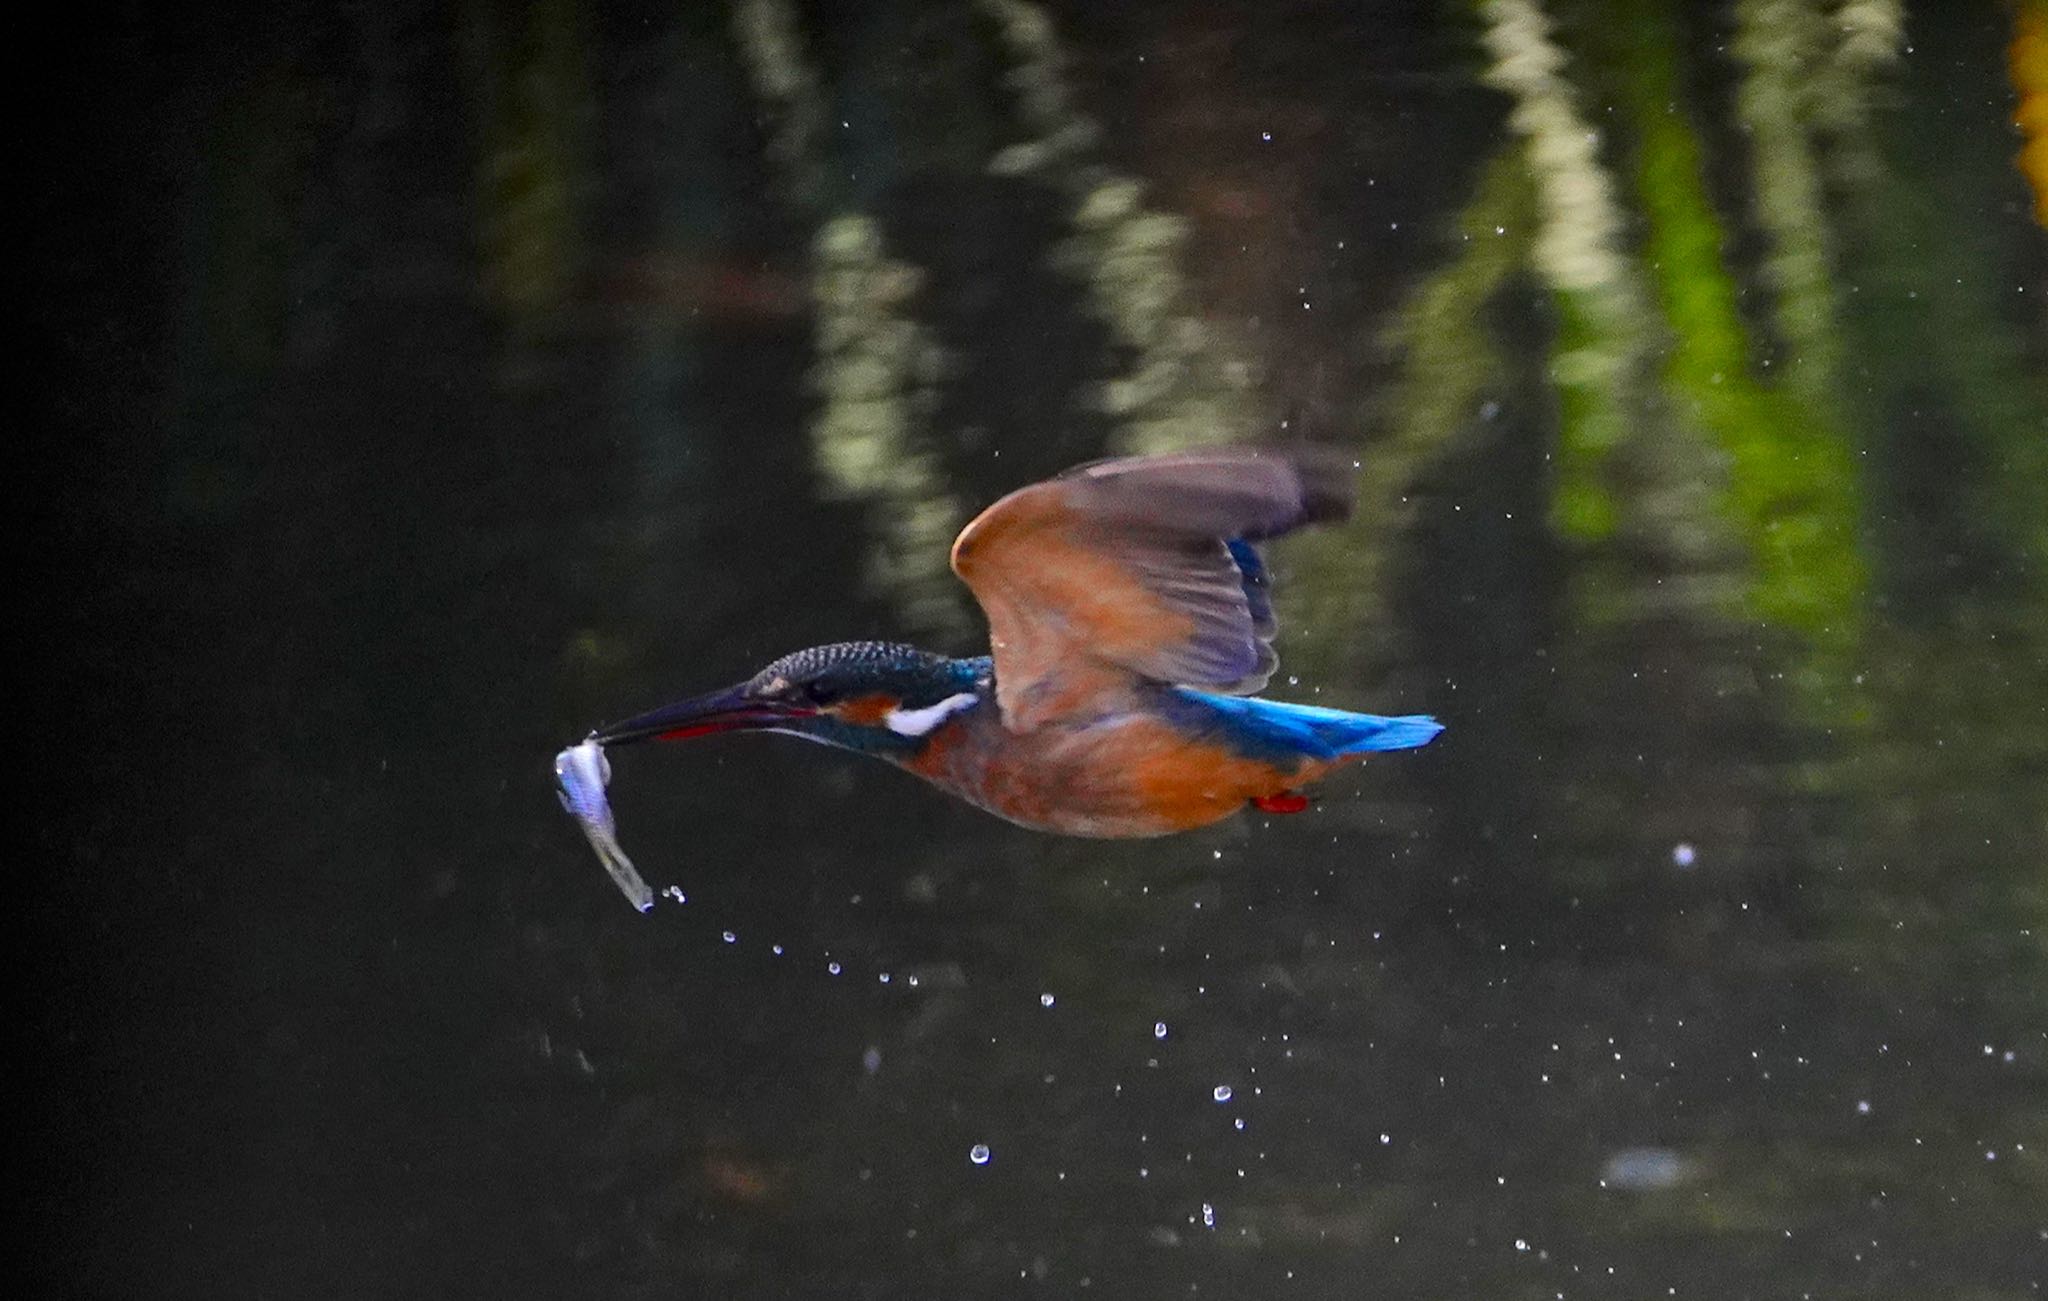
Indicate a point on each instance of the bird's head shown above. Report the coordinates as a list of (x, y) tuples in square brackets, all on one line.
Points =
[(877, 697)]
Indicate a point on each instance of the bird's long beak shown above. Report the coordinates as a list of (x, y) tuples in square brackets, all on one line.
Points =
[(730, 710)]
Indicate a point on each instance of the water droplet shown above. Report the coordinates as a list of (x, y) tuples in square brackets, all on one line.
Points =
[(1683, 854), (1221, 1093), (978, 1154), (883, 977), (731, 938), (1521, 1244), (832, 967), (1159, 1029), (776, 949), (1208, 1216), (1863, 1106), (1239, 1122), (1266, 136), (1386, 1139), (1045, 1000)]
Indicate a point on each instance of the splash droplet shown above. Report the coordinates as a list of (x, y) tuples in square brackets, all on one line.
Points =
[(1159, 1029), (1221, 1093), (978, 1154), (1045, 1000)]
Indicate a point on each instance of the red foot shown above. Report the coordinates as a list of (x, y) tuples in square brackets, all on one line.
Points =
[(1284, 802)]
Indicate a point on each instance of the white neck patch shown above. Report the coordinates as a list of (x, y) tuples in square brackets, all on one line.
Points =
[(917, 722)]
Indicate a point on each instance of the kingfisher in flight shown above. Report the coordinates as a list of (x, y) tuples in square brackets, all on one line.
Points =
[(1130, 622)]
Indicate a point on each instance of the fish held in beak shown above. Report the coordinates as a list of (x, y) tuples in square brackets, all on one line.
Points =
[(582, 773)]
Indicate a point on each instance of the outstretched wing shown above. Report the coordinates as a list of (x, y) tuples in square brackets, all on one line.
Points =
[(1140, 568)]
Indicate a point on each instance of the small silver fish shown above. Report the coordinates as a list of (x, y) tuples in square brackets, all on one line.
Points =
[(582, 773)]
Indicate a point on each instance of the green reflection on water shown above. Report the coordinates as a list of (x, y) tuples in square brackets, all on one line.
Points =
[(529, 84), (1789, 487), (1869, 835)]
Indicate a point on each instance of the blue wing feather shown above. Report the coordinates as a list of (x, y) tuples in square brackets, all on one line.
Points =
[(1258, 725), (1251, 571)]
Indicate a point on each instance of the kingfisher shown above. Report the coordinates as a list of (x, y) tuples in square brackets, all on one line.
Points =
[(1130, 624)]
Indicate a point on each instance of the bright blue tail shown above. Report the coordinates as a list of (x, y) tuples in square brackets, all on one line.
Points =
[(1314, 731)]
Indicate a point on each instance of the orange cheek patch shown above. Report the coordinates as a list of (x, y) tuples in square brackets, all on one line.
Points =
[(864, 711)]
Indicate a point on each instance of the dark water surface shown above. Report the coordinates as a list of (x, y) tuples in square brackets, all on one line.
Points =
[(425, 387)]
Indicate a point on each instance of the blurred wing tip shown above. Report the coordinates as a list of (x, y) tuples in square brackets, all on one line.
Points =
[(1265, 664), (1329, 483)]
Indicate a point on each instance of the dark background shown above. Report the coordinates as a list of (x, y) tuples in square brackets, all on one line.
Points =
[(412, 388)]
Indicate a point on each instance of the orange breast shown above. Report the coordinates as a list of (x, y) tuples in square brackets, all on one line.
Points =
[(1134, 776), (1191, 785)]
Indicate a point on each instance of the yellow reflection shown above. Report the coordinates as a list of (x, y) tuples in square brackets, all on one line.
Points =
[(2027, 59)]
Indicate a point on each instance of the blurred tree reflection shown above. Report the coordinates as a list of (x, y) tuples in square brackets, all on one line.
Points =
[(1686, 572), (1695, 375), (1184, 384), (529, 81), (876, 363)]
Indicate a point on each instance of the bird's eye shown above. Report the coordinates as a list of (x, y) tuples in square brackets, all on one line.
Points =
[(815, 692)]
